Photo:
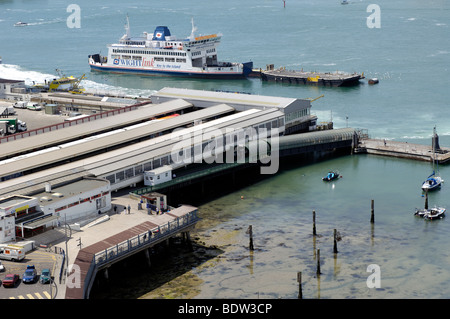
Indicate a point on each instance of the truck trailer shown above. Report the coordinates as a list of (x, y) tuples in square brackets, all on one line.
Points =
[(12, 125)]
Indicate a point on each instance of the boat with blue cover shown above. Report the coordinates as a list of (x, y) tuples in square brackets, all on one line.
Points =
[(332, 175), (434, 181), (161, 54)]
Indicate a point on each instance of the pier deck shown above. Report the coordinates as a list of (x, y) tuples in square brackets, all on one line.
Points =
[(403, 150), (117, 238), (312, 78)]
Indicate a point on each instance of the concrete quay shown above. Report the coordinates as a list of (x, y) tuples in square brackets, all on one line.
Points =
[(403, 150), (103, 233)]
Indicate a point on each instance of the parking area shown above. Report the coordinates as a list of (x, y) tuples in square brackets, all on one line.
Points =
[(37, 119), (41, 259)]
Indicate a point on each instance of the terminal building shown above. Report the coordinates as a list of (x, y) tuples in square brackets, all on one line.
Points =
[(72, 179), (25, 216), (297, 112), (12, 90)]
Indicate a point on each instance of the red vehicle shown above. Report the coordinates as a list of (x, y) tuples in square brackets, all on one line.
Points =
[(11, 280)]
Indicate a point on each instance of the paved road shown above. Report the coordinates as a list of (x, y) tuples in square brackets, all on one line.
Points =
[(41, 259)]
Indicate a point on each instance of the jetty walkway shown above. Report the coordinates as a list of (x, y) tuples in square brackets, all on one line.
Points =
[(402, 150), (119, 236)]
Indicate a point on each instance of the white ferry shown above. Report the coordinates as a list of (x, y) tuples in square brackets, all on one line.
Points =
[(162, 54)]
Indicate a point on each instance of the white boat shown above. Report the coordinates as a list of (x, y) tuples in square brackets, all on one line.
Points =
[(20, 24), (432, 213), (161, 54), (434, 181)]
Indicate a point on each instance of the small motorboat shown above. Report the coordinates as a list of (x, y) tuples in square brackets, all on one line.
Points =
[(373, 81), (20, 24), (431, 214), (332, 175)]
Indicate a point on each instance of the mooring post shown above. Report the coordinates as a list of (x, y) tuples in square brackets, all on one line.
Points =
[(314, 222), (335, 243), (299, 279), (250, 232), (318, 262), (426, 199), (372, 214)]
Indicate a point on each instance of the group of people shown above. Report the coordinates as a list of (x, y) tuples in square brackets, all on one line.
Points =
[(149, 210)]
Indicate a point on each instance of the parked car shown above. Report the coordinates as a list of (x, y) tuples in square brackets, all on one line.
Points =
[(2, 267), (45, 276), (30, 274), (11, 280)]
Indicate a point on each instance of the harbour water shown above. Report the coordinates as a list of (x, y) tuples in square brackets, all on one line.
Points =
[(409, 54)]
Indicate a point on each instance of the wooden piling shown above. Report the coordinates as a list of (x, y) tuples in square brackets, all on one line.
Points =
[(372, 213), (314, 222), (426, 199), (250, 233), (335, 242), (299, 279), (318, 262)]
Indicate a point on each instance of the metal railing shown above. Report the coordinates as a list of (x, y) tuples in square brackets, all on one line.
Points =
[(184, 178), (145, 239)]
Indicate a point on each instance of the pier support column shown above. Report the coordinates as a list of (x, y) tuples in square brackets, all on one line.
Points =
[(147, 257), (106, 274), (188, 240)]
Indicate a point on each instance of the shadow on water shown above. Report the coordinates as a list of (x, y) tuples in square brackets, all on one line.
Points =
[(202, 192), (134, 277)]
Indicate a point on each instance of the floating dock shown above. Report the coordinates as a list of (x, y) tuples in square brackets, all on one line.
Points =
[(310, 78)]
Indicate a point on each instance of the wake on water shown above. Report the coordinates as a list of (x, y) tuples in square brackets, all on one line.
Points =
[(15, 72)]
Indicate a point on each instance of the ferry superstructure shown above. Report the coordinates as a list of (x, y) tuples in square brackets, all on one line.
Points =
[(161, 54)]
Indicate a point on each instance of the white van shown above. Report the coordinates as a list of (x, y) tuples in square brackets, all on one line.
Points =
[(12, 252), (20, 105), (34, 106)]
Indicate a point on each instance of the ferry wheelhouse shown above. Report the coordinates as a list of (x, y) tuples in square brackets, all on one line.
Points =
[(162, 54)]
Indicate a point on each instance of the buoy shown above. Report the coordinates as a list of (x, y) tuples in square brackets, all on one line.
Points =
[(242, 197)]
